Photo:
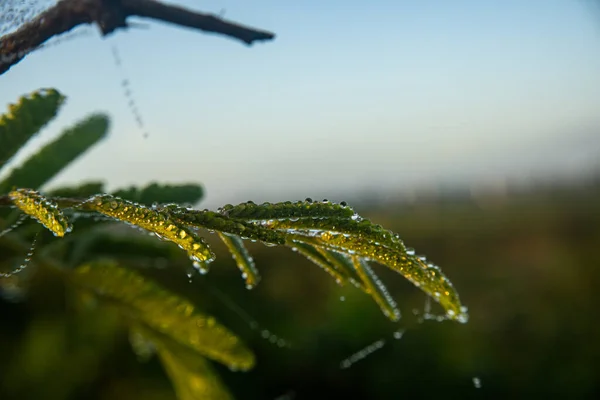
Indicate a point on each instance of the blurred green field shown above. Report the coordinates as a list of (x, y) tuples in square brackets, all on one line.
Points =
[(526, 264)]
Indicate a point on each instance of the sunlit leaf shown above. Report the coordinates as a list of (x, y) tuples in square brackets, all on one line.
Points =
[(154, 221), (376, 289), (286, 210), (56, 155), (25, 118), (220, 223), (242, 258), (41, 208), (164, 312), (334, 228)]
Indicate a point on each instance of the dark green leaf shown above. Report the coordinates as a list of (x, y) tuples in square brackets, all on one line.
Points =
[(25, 119), (56, 155)]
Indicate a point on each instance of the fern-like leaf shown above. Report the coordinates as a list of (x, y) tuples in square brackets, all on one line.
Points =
[(376, 289), (242, 258), (335, 228), (41, 208), (25, 118), (154, 221), (287, 210), (164, 313), (56, 155)]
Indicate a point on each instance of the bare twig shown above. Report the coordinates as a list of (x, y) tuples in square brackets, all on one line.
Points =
[(111, 15)]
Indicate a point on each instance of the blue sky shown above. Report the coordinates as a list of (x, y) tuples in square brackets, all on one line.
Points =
[(351, 97)]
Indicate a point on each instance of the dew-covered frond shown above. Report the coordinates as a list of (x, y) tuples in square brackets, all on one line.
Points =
[(286, 210), (42, 209), (25, 118), (217, 222), (56, 155), (327, 234), (154, 221), (337, 228), (330, 235), (432, 282), (164, 313), (354, 226), (162, 194), (242, 258)]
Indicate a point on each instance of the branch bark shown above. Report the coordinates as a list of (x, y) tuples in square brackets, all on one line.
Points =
[(111, 15)]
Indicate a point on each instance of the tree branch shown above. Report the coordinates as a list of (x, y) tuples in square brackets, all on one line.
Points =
[(111, 15)]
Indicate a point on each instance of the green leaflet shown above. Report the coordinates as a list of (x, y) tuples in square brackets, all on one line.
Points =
[(164, 313), (286, 210), (361, 237), (425, 276), (156, 193), (56, 155), (220, 223), (376, 289), (356, 270), (344, 264), (355, 226), (25, 119), (242, 258), (154, 221), (316, 257), (325, 230), (44, 210)]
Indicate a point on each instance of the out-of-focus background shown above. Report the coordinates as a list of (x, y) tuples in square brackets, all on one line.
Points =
[(470, 128)]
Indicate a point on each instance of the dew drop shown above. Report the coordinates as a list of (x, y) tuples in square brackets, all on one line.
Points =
[(398, 334), (477, 382)]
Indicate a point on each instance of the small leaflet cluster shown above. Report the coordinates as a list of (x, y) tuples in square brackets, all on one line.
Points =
[(25, 118), (154, 221), (42, 209), (165, 313)]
